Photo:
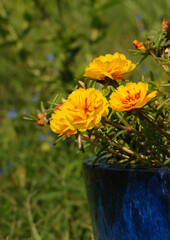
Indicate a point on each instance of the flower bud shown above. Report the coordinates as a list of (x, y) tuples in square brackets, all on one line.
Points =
[(85, 135), (167, 50), (138, 45), (82, 84), (41, 122), (57, 107), (164, 24), (40, 115)]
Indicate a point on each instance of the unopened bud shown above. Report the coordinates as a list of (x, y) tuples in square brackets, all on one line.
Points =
[(57, 107), (156, 103), (164, 24), (82, 84), (92, 137), (40, 115), (85, 135), (41, 122), (138, 45), (167, 50)]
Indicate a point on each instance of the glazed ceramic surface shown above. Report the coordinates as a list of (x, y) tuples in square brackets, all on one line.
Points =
[(128, 204)]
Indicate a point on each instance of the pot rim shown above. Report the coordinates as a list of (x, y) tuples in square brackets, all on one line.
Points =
[(131, 168)]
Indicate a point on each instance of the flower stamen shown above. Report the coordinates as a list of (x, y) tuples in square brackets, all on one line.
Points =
[(131, 96)]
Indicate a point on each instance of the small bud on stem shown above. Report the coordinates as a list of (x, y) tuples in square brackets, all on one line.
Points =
[(41, 122), (40, 115), (139, 45)]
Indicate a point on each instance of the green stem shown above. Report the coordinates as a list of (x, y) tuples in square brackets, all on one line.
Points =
[(35, 233), (117, 125), (107, 81), (141, 60), (108, 150), (114, 84), (165, 68), (130, 130), (154, 125), (125, 149)]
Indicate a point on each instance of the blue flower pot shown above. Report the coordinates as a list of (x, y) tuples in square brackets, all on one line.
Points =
[(128, 203)]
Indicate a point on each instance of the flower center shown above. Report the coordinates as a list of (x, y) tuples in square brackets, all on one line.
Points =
[(86, 106), (130, 97)]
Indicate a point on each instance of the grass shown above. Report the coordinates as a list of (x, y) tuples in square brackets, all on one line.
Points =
[(42, 196), (44, 47)]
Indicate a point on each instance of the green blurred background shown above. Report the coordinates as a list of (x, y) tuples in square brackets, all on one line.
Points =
[(44, 48)]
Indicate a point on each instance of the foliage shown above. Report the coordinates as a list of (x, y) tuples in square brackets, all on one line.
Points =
[(129, 132)]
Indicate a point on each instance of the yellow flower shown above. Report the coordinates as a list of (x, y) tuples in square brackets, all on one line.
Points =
[(111, 66), (131, 96), (84, 108), (60, 125)]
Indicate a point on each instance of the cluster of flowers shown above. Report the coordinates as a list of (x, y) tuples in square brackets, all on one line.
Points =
[(84, 108), (119, 117)]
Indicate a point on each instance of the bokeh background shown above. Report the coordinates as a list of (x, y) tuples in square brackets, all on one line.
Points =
[(44, 48)]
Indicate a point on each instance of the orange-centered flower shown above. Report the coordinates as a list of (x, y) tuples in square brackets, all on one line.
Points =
[(111, 66), (60, 125), (84, 108), (131, 96)]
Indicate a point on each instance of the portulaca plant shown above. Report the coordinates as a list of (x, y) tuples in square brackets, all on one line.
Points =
[(126, 121)]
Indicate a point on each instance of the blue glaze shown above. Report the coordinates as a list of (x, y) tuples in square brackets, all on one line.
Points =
[(128, 204)]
